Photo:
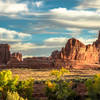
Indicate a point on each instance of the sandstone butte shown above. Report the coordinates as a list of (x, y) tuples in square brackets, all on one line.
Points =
[(75, 53)]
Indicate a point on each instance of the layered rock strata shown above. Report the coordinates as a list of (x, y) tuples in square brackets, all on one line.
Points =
[(77, 52), (4, 53)]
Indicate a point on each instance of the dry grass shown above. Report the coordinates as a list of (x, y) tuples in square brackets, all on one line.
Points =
[(44, 74)]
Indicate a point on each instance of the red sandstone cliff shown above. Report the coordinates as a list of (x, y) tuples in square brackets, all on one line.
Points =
[(74, 52), (78, 52), (15, 58), (4, 53)]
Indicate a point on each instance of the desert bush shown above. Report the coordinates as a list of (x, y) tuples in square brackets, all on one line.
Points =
[(59, 89), (14, 96), (25, 88), (7, 82), (93, 87), (12, 84)]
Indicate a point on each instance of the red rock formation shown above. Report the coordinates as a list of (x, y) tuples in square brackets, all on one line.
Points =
[(15, 58), (56, 54), (76, 52), (4, 53), (17, 55), (97, 42), (73, 47), (34, 62)]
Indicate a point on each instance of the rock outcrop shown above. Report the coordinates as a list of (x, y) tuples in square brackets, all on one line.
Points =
[(76, 52), (31, 62), (97, 42), (4, 53), (17, 55), (56, 54), (15, 58)]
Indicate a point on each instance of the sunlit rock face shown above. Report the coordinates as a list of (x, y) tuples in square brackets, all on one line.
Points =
[(56, 54), (75, 52), (15, 58), (78, 52), (97, 42), (17, 55), (4, 53)]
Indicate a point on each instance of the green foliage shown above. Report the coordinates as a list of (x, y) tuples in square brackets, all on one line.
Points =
[(12, 84), (5, 76), (93, 87), (59, 90), (14, 96), (59, 74), (25, 88), (7, 82)]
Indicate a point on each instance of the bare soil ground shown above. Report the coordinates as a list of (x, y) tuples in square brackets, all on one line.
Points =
[(44, 74)]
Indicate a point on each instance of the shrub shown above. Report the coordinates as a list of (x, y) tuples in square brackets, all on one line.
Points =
[(60, 89), (59, 74), (93, 87), (7, 82), (12, 84), (25, 88), (14, 96)]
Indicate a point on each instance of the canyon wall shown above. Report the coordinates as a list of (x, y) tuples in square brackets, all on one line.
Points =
[(4, 53), (74, 53), (78, 53)]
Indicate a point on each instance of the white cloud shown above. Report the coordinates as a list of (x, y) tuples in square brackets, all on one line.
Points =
[(59, 10), (93, 31), (86, 4), (63, 12), (37, 3), (22, 46), (10, 6), (49, 45), (74, 31), (75, 18), (87, 41), (56, 41), (11, 35)]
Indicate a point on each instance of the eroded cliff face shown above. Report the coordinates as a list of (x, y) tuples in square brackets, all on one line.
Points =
[(78, 52), (74, 52), (15, 58), (4, 53)]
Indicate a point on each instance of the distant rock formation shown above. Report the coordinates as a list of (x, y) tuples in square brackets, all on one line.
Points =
[(31, 62), (77, 52), (15, 58), (17, 55), (97, 42), (4, 53), (74, 53), (56, 54)]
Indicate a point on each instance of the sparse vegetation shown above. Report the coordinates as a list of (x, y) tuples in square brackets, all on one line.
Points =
[(93, 87), (57, 87), (14, 86), (60, 89), (14, 96)]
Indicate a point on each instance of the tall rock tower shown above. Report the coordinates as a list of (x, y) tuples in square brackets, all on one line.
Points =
[(99, 36), (4, 53), (97, 42)]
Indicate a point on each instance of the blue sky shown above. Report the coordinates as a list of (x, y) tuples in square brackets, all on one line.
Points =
[(37, 27)]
